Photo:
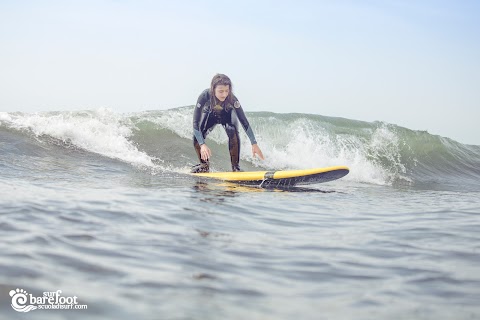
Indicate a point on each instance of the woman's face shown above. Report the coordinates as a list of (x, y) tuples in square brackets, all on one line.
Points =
[(221, 92)]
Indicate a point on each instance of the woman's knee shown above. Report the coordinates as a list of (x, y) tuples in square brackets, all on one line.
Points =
[(232, 130)]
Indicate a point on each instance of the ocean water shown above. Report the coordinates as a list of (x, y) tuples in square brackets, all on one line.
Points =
[(98, 204)]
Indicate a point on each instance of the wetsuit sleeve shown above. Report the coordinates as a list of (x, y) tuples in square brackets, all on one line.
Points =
[(243, 120), (197, 116)]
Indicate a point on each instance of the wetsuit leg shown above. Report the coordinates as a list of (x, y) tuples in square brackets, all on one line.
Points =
[(197, 149), (208, 126), (203, 166), (233, 144)]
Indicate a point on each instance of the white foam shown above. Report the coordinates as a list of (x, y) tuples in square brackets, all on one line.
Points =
[(305, 143), (100, 131), (5, 117)]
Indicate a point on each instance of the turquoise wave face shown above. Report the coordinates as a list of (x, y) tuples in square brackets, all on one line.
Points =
[(376, 152)]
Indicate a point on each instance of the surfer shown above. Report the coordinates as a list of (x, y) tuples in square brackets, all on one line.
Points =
[(218, 105)]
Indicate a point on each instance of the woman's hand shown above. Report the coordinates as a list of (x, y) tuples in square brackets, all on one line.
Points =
[(205, 152), (256, 151)]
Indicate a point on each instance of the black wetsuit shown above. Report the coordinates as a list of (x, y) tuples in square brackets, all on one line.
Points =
[(206, 116)]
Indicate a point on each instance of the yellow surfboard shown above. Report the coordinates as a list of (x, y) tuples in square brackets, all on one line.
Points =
[(285, 178)]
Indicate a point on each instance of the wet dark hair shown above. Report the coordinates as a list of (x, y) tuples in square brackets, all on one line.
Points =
[(220, 79)]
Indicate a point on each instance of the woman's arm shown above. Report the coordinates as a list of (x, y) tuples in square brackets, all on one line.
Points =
[(243, 120), (248, 129), (197, 116)]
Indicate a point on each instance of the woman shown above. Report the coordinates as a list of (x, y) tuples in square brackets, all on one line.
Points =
[(218, 105)]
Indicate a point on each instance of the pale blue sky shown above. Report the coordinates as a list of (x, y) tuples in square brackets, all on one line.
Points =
[(413, 63)]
